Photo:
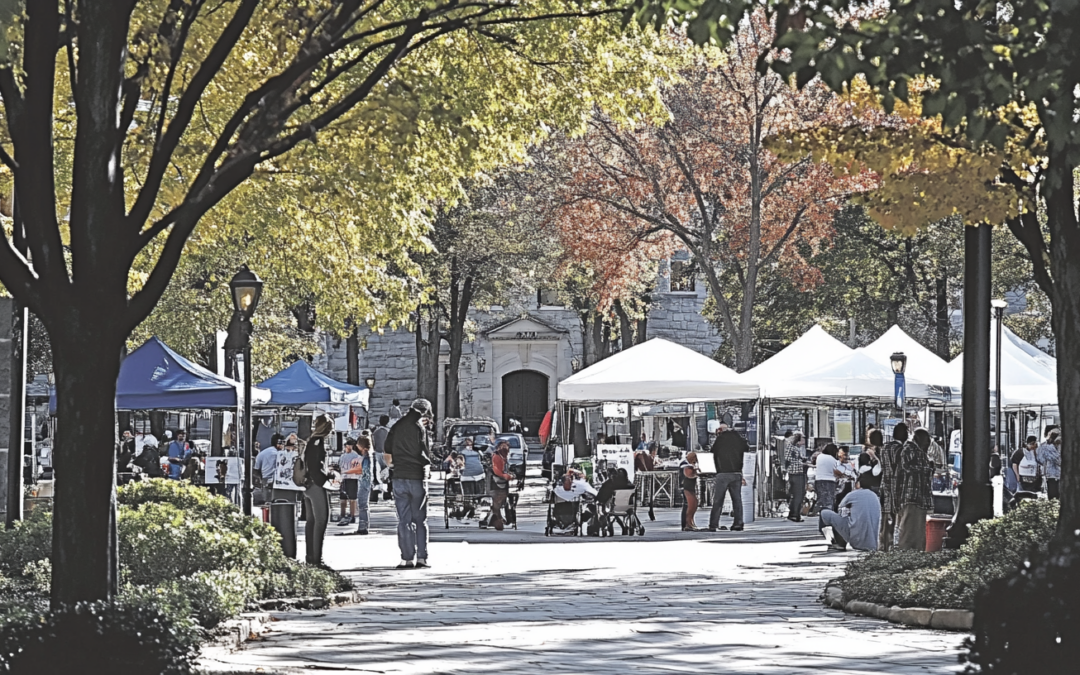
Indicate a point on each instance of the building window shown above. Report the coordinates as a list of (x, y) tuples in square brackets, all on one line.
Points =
[(547, 297), (683, 276)]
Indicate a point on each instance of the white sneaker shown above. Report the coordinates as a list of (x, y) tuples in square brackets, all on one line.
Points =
[(421, 563)]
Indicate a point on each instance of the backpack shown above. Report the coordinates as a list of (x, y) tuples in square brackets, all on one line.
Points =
[(300, 472)]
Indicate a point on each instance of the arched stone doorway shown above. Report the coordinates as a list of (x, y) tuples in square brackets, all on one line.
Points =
[(525, 394)]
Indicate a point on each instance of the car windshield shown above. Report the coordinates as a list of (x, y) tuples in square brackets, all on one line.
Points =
[(514, 441), (463, 430)]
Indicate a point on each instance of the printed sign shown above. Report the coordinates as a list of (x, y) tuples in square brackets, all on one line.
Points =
[(616, 411), (621, 456), (283, 476), (232, 470), (845, 430), (956, 441)]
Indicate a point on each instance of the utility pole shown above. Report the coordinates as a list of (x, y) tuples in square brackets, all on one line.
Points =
[(16, 386)]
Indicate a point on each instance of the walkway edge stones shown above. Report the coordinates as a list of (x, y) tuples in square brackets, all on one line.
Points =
[(232, 634), (918, 617)]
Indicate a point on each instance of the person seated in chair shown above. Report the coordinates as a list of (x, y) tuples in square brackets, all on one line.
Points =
[(573, 485), (857, 522)]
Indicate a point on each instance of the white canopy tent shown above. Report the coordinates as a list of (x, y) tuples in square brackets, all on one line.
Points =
[(856, 377), (922, 364), (813, 349), (1028, 376), (656, 371)]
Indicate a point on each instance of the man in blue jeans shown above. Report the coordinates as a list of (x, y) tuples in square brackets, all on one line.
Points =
[(728, 450), (406, 452)]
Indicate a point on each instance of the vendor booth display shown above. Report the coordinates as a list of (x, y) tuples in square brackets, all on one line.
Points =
[(1028, 376), (656, 371), (154, 377), (812, 349), (301, 385)]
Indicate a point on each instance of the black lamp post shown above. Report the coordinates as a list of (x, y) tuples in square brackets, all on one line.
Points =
[(246, 288), (898, 361), (999, 306)]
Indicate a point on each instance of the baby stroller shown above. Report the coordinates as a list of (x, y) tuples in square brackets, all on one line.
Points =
[(563, 515), (623, 511)]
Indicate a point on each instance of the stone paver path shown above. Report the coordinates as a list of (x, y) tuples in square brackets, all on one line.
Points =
[(518, 602)]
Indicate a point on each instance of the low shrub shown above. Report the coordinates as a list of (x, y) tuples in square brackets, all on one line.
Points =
[(183, 551), (293, 580), (121, 639), (28, 541), (160, 542), (951, 579)]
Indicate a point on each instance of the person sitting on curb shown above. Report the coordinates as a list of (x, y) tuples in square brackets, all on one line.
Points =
[(858, 522)]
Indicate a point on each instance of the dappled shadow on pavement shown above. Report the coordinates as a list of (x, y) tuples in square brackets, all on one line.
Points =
[(762, 618)]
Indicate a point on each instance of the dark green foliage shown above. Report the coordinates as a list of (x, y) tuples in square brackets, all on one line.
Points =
[(27, 541), (1029, 623), (188, 553), (118, 639), (995, 550)]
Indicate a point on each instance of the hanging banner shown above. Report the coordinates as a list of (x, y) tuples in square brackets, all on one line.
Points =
[(616, 411)]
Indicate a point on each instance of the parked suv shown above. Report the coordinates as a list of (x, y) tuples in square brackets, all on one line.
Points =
[(456, 430)]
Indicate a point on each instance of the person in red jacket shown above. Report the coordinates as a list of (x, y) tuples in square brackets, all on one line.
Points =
[(501, 479)]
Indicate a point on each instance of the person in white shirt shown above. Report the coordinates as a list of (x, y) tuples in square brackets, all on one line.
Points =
[(266, 466), (826, 471), (573, 485)]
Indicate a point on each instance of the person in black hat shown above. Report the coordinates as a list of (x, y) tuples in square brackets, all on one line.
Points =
[(406, 452)]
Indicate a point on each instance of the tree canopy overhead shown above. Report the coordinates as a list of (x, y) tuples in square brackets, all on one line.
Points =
[(128, 124)]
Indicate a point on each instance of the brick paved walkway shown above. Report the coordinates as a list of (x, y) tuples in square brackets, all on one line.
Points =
[(518, 602)]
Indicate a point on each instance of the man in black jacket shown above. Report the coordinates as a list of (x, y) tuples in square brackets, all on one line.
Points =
[(728, 450), (406, 452)]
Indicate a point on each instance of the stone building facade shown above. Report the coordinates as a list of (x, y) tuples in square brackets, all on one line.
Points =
[(517, 354)]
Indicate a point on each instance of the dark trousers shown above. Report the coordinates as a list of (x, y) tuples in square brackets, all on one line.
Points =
[(1052, 488), (317, 502), (797, 493), (498, 500)]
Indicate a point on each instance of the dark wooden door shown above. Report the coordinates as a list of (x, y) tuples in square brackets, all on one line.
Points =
[(525, 396)]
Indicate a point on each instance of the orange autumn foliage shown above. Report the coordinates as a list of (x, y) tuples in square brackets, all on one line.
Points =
[(705, 181)]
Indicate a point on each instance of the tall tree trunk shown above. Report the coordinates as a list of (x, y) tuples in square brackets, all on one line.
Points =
[(941, 317), (588, 346), (460, 301), (86, 359), (744, 343), (1064, 257), (427, 355), (597, 337), (626, 327), (642, 332)]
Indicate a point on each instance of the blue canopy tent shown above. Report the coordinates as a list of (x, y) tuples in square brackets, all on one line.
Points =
[(301, 385), (154, 377)]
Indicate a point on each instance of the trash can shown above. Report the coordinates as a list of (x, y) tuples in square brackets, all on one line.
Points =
[(935, 533), (283, 519)]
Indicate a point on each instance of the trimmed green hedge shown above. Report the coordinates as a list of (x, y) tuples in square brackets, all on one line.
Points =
[(952, 579), (184, 553)]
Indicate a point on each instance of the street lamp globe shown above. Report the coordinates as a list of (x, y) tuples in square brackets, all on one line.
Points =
[(999, 304), (370, 382), (899, 363), (246, 289)]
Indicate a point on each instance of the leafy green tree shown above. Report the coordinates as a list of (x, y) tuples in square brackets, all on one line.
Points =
[(125, 124), (1004, 77)]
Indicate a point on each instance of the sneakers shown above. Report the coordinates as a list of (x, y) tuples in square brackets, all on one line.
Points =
[(736, 528), (722, 528), (361, 531), (352, 520), (342, 521), (421, 563), (795, 520), (405, 565)]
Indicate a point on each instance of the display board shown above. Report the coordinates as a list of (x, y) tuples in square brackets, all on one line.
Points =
[(706, 462), (233, 470), (621, 456), (283, 475)]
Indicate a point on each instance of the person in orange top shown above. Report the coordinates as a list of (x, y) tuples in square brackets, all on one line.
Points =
[(501, 478)]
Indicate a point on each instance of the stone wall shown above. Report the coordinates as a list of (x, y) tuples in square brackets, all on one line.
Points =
[(390, 357), (677, 317)]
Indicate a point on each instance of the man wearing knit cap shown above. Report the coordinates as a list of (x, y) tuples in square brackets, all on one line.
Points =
[(406, 452)]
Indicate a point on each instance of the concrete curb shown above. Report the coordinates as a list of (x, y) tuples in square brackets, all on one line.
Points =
[(282, 604), (234, 633), (917, 617)]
